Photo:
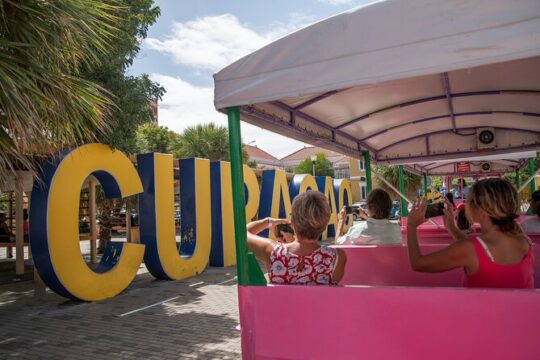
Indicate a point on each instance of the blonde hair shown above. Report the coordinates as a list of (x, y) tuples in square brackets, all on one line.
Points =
[(310, 214), (499, 199)]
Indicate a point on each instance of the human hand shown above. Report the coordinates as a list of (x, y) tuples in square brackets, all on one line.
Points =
[(286, 237), (362, 213), (417, 215), (449, 215), (342, 217), (273, 222)]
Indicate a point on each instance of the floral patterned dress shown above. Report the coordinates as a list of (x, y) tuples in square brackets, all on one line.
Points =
[(313, 269)]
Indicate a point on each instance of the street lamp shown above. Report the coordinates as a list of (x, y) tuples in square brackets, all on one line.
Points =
[(313, 159)]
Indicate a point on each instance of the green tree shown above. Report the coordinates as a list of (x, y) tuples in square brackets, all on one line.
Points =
[(46, 102), (133, 94), (154, 138), (323, 166), (252, 164), (412, 181), (208, 141), (437, 182)]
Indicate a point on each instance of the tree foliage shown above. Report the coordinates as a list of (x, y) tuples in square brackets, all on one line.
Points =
[(437, 182), (208, 141), (154, 138), (323, 166), (46, 102), (412, 181), (133, 94)]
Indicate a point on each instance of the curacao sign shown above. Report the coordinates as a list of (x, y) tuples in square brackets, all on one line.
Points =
[(207, 224)]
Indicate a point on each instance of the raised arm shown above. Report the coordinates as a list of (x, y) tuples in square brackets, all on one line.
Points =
[(342, 217), (450, 224), (458, 254), (261, 246)]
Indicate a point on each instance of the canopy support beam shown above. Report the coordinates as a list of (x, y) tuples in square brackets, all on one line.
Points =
[(436, 98), (446, 84), (248, 270), (367, 167), (321, 124), (403, 208), (253, 113), (424, 184), (476, 113), (316, 99), (532, 184)]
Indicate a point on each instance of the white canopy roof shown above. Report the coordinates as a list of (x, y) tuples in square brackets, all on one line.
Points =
[(406, 80), (477, 165)]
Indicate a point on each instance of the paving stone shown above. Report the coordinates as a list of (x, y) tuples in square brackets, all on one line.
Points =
[(199, 323)]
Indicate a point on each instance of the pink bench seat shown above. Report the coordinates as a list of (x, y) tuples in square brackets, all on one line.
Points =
[(389, 266)]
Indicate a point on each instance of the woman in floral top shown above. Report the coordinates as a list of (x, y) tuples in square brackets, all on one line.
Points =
[(302, 261)]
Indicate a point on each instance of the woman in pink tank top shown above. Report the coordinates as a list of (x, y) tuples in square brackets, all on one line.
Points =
[(502, 257)]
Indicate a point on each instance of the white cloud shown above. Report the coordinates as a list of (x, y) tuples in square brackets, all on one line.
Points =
[(187, 105), (213, 42), (338, 2)]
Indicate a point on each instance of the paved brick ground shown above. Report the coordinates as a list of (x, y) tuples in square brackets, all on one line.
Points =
[(197, 320)]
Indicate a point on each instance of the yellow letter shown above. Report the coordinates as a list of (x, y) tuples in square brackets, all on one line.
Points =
[(54, 226), (156, 216)]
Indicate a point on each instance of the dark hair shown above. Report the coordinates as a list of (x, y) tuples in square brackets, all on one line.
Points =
[(25, 214), (536, 196), (379, 204), (462, 222), (499, 199), (2, 215), (310, 214), (450, 198), (535, 202)]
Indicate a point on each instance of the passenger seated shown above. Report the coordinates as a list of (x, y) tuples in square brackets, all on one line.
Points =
[(532, 225), (303, 261), (5, 233), (377, 229), (500, 258), (462, 222), (450, 197)]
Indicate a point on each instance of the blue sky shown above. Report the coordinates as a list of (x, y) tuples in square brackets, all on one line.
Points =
[(193, 39)]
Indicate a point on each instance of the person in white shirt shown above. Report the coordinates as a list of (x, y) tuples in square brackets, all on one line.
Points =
[(377, 229), (532, 225)]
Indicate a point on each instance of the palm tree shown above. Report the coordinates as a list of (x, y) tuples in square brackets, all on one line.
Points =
[(44, 104), (391, 173), (208, 141)]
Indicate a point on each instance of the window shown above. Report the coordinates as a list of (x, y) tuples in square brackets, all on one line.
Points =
[(361, 164), (363, 192)]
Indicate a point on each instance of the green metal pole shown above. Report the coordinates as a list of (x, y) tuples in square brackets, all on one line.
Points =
[(532, 184), (367, 167), (403, 203), (248, 270), (424, 176)]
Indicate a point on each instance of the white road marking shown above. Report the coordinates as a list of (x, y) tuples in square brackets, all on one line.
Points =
[(148, 307)]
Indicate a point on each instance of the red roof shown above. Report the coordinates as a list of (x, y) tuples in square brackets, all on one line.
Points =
[(306, 152), (260, 155)]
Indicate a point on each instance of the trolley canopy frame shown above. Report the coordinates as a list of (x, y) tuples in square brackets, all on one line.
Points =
[(406, 81), (498, 165)]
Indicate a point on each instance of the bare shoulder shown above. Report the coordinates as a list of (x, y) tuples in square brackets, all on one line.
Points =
[(463, 246)]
